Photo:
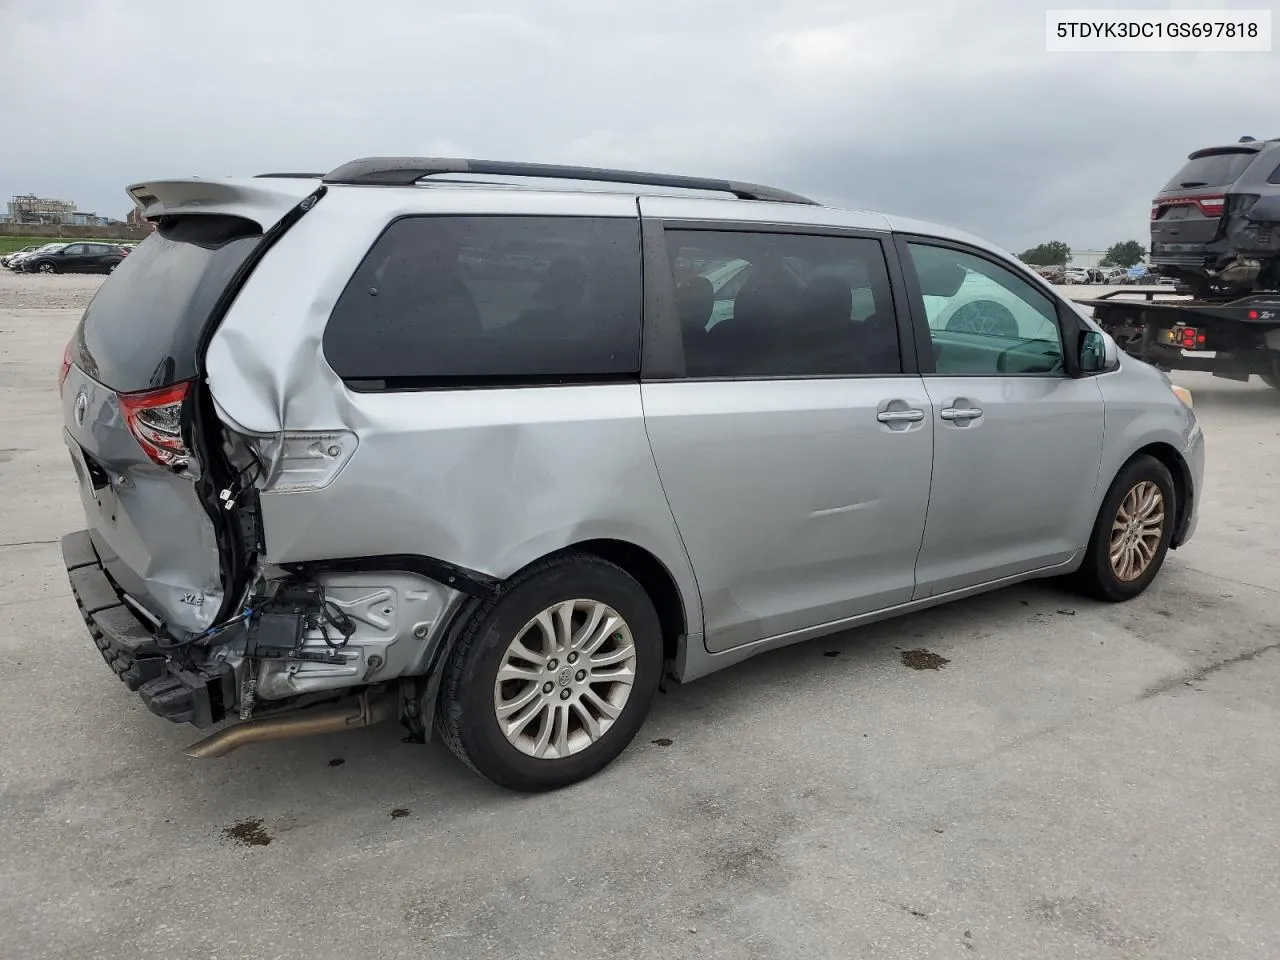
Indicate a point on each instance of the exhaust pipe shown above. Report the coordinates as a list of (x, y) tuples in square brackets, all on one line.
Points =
[(304, 723)]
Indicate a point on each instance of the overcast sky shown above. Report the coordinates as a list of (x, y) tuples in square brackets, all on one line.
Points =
[(950, 111)]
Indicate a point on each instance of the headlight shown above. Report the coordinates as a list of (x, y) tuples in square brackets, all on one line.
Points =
[(1183, 394)]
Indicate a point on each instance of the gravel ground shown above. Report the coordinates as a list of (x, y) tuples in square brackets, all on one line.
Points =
[(1025, 774), (33, 291)]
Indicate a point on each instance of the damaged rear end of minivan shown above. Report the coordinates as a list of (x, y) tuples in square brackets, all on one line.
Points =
[(167, 572)]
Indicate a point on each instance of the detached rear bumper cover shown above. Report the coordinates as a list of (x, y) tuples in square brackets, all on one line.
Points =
[(169, 689)]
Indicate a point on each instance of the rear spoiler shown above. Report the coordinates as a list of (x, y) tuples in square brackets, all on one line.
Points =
[(264, 201), (1247, 147)]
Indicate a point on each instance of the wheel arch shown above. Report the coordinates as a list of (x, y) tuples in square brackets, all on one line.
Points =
[(420, 695), (1182, 483), (658, 582)]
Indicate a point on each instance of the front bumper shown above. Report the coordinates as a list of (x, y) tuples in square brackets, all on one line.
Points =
[(178, 690)]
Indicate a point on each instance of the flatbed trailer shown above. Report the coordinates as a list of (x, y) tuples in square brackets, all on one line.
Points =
[(1231, 338)]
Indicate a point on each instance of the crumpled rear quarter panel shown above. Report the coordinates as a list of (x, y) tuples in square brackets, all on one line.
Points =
[(490, 479)]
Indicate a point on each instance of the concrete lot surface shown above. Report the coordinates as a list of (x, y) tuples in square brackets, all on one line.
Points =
[(1077, 780)]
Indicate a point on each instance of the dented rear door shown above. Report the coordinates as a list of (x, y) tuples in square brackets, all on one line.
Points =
[(127, 399)]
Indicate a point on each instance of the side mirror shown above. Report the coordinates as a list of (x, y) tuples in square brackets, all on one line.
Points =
[(1092, 352)]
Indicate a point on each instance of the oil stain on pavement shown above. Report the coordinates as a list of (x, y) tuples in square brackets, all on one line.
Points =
[(923, 659), (248, 832)]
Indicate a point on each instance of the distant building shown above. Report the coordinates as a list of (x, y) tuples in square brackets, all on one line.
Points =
[(28, 208), (1084, 259), (135, 217), (80, 219)]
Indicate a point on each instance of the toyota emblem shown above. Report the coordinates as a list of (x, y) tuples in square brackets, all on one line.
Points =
[(82, 408)]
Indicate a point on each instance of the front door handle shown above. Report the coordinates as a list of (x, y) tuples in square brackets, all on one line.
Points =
[(900, 416), (960, 413)]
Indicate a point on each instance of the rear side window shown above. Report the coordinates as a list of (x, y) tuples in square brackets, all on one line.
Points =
[(1216, 170), (142, 329), (474, 301), (782, 305)]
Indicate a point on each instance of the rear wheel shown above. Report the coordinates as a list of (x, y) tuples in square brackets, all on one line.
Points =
[(1272, 379), (1132, 532), (550, 682)]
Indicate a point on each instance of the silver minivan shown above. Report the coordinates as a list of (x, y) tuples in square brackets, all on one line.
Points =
[(493, 447)]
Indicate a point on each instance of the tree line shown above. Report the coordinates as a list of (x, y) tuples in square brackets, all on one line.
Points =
[(1055, 253)]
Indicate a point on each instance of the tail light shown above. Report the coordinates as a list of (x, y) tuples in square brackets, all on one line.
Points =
[(68, 358), (155, 420), (1210, 204)]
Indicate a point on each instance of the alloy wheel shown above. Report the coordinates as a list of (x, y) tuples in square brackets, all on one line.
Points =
[(1137, 531), (564, 679)]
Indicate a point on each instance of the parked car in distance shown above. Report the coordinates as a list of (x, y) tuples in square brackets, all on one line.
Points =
[(16, 262), (498, 505), (1075, 275), (79, 257), (15, 254)]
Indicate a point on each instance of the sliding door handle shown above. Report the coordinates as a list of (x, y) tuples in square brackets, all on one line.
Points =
[(900, 416)]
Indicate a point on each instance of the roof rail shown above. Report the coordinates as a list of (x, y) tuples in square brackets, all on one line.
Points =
[(405, 171), (290, 176)]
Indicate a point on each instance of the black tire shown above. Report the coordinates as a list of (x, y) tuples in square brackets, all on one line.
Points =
[(465, 716), (46, 267), (1272, 379), (1097, 577)]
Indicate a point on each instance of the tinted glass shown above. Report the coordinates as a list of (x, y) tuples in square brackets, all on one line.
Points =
[(452, 300), (774, 304), (75, 250), (984, 319), (143, 327), (1218, 170), (1275, 176)]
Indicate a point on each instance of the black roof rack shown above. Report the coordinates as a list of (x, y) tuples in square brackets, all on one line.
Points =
[(290, 176), (405, 171)]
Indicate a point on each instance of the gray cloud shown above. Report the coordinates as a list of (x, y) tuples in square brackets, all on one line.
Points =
[(949, 112)]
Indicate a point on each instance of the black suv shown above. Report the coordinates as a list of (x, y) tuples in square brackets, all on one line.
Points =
[(76, 258), (1216, 225)]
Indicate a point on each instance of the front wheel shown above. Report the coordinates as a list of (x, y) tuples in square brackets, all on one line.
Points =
[(47, 268), (1132, 533), (550, 682)]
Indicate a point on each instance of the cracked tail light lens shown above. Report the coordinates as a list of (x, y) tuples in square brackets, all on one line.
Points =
[(155, 420), (298, 462)]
